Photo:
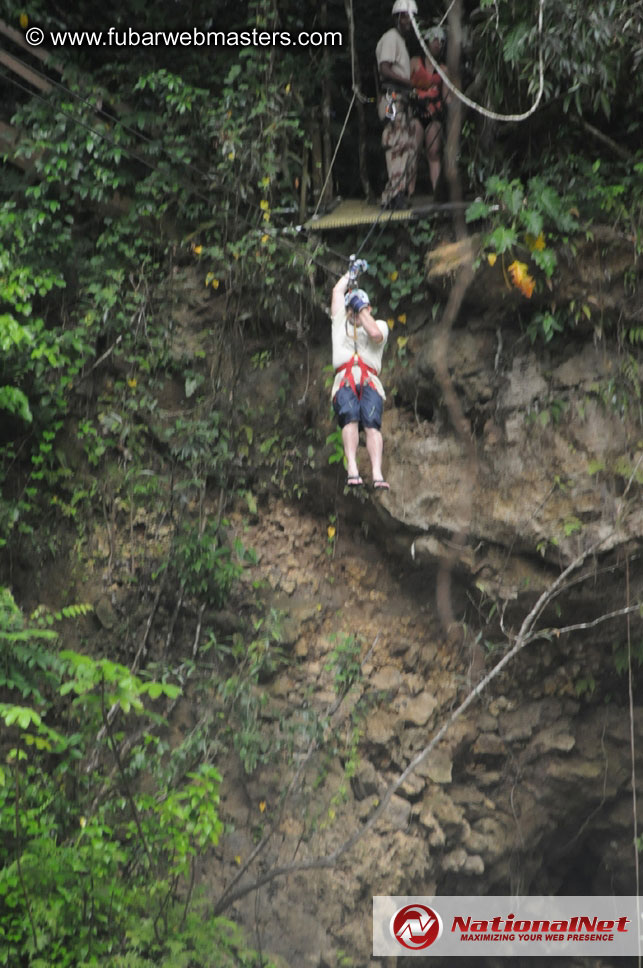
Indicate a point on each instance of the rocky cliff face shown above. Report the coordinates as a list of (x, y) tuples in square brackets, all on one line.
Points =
[(530, 790)]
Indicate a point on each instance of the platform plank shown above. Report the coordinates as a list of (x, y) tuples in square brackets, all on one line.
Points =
[(356, 211)]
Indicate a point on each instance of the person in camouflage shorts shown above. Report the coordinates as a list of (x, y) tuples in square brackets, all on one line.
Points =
[(403, 134)]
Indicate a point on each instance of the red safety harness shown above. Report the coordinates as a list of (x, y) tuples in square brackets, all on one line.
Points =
[(364, 369)]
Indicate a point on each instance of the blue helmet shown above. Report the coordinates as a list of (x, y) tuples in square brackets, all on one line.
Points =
[(356, 300)]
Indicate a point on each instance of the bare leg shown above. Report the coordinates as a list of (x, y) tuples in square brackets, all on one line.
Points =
[(417, 134), (350, 439), (433, 145), (375, 448)]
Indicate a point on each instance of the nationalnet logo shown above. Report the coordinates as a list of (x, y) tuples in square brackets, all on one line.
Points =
[(416, 926), (507, 926)]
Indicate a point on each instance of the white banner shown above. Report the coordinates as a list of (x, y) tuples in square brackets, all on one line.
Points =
[(507, 926)]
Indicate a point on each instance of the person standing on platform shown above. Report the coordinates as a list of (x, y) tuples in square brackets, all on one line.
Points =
[(432, 100), (403, 134)]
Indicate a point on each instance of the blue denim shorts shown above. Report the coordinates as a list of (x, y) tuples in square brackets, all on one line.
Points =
[(366, 411)]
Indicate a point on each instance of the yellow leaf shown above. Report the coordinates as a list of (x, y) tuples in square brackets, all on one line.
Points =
[(197, 249), (402, 319), (393, 275), (491, 258), (331, 532), (215, 283), (521, 278), (264, 239), (535, 243), (24, 21), (266, 216), (391, 322), (237, 859), (288, 88), (132, 382), (402, 341), (82, 822), (231, 156), (262, 806), (264, 205)]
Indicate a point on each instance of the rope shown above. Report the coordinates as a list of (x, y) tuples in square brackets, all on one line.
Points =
[(330, 167), (492, 115), (351, 32), (357, 94)]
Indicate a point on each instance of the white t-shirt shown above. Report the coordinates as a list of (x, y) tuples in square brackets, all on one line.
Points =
[(348, 339)]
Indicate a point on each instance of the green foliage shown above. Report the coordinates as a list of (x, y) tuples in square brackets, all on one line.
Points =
[(521, 219), (252, 662), (206, 566), (396, 260), (334, 440), (545, 325), (103, 877), (344, 662), (585, 49)]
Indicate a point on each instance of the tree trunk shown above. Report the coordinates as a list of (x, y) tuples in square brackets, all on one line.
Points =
[(362, 126), (327, 144)]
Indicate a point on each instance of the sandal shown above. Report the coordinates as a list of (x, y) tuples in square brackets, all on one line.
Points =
[(354, 481), (381, 485)]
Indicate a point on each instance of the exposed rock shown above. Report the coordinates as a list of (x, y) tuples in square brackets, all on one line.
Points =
[(450, 816), (396, 816), (454, 861), (556, 737), (366, 781), (413, 786), (417, 710), (474, 864), (489, 745), (528, 405), (437, 837), (105, 613), (438, 767), (380, 727), (387, 679)]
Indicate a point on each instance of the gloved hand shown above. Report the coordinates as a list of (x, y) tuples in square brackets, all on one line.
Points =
[(355, 267)]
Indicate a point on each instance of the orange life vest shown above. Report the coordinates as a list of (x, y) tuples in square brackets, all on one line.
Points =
[(429, 89)]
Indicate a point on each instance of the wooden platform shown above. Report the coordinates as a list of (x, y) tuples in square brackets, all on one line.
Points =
[(355, 211)]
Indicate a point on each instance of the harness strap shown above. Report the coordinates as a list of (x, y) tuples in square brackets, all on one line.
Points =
[(364, 369)]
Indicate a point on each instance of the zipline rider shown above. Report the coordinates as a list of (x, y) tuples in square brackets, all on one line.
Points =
[(357, 394)]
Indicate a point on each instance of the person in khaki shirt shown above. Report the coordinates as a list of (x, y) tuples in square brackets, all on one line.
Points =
[(403, 135), (357, 393)]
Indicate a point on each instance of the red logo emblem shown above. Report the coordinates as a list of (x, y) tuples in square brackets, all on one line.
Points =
[(416, 926)]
